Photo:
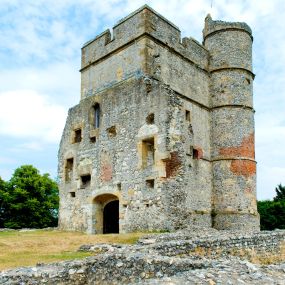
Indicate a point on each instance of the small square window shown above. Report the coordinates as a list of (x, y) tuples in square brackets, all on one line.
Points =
[(112, 132), (150, 183), (85, 180), (150, 119), (93, 139), (72, 194)]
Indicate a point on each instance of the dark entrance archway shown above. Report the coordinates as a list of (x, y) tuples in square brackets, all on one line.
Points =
[(111, 218)]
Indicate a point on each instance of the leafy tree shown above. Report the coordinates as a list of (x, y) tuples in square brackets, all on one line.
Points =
[(31, 199), (272, 213), (2, 203), (280, 193)]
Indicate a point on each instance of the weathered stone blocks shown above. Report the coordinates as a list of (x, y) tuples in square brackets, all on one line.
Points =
[(165, 126)]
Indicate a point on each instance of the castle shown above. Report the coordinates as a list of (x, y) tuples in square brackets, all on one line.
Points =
[(163, 136)]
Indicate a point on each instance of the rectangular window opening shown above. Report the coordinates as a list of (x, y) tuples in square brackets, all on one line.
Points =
[(77, 136), (72, 194), (96, 114), (119, 186), (148, 151), (85, 180), (187, 116), (68, 169), (195, 153)]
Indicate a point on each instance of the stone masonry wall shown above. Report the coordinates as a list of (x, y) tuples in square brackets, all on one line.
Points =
[(175, 142), (116, 160)]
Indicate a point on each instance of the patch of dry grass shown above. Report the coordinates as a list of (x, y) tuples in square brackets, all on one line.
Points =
[(18, 248)]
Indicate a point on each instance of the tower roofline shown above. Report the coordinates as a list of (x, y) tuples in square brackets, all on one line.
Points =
[(151, 10), (213, 26), (128, 18), (139, 25)]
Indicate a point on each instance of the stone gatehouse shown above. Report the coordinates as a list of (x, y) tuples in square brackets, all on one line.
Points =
[(163, 136)]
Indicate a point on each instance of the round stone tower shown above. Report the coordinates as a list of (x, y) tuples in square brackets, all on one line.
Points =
[(234, 165)]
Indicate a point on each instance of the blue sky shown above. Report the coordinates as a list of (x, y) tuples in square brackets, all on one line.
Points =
[(40, 42)]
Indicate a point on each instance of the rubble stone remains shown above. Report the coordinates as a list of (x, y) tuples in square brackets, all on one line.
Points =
[(163, 136), (190, 256)]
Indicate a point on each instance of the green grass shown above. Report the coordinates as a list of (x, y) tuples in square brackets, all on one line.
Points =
[(27, 248)]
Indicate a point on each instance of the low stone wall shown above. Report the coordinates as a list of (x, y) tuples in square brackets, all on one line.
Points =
[(103, 269), (165, 257), (264, 244)]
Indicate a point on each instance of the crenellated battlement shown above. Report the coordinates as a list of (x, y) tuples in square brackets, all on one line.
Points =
[(212, 27), (137, 46), (143, 22), (229, 45)]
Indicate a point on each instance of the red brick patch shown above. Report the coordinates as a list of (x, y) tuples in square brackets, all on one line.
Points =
[(172, 164), (246, 149), (243, 167)]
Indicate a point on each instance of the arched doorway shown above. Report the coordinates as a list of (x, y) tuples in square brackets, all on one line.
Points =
[(105, 217), (111, 218)]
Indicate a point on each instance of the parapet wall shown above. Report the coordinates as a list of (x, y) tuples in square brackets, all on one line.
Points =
[(144, 21), (229, 44), (215, 26), (145, 44)]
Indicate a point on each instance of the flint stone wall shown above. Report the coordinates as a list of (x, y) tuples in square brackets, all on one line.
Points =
[(156, 256), (263, 243)]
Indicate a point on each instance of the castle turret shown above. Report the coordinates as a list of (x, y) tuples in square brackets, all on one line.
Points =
[(234, 165)]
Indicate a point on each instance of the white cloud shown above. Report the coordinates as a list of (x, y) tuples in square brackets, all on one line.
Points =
[(35, 35), (25, 113), (60, 81)]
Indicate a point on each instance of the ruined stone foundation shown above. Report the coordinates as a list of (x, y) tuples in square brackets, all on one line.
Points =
[(163, 136)]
